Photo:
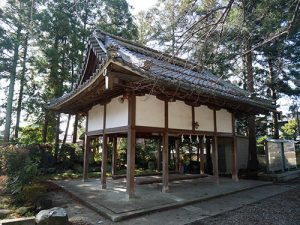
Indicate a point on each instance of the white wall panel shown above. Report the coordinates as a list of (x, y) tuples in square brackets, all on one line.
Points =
[(95, 118), (205, 117), (180, 115), (150, 111), (116, 113), (224, 121)]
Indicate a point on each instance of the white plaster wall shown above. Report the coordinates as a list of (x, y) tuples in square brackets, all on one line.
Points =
[(150, 111), (205, 117), (224, 121), (95, 118), (180, 115), (116, 113)]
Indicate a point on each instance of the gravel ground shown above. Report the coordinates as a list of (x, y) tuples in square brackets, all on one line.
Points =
[(282, 209)]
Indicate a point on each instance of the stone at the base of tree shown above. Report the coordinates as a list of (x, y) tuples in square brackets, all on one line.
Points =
[(54, 216)]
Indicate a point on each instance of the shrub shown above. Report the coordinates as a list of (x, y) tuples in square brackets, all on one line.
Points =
[(31, 193), (18, 166)]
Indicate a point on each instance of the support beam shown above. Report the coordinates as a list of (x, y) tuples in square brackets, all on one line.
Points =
[(215, 151), (234, 152), (86, 158), (104, 162), (165, 152), (104, 152), (114, 156), (216, 160), (165, 157), (177, 155), (131, 143), (201, 157)]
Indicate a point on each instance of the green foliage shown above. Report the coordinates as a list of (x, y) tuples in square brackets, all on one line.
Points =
[(261, 140), (19, 168), (289, 130), (31, 193), (145, 152), (30, 135)]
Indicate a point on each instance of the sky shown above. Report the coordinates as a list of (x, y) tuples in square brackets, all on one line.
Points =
[(139, 5)]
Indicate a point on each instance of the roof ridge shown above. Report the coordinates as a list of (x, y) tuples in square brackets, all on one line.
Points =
[(133, 44)]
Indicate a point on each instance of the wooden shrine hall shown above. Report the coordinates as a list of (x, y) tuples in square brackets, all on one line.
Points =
[(129, 90)]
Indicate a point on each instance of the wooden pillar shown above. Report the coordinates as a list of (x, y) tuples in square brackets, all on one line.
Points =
[(165, 174), (104, 162), (177, 155), (159, 154), (86, 158), (114, 156), (201, 157), (165, 162), (216, 159), (131, 142), (234, 152), (215, 151), (104, 152)]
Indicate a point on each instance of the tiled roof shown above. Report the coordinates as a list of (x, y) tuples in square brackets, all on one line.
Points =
[(159, 66)]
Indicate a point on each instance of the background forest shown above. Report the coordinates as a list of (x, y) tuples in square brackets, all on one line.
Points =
[(253, 44)]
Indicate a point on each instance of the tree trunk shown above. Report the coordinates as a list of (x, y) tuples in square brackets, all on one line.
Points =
[(274, 98), (22, 83), (57, 131), (252, 157), (12, 87), (67, 129), (45, 128)]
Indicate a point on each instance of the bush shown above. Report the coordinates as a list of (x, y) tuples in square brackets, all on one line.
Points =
[(31, 193), (19, 168)]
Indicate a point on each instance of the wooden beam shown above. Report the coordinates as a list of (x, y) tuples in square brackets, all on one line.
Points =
[(165, 153), (234, 152), (114, 156), (104, 162), (131, 143), (104, 152), (86, 151), (165, 157), (86, 157), (193, 118), (215, 151)]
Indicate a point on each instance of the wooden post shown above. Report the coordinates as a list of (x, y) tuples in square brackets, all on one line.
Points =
[(201, 157), (215, 151), (159, 154), (114, 156), (104, 152), (234, 152), (86, 158), (165, 162), (104, 161), (131, 142), (165, 152), (216, 159), (177, 155)]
